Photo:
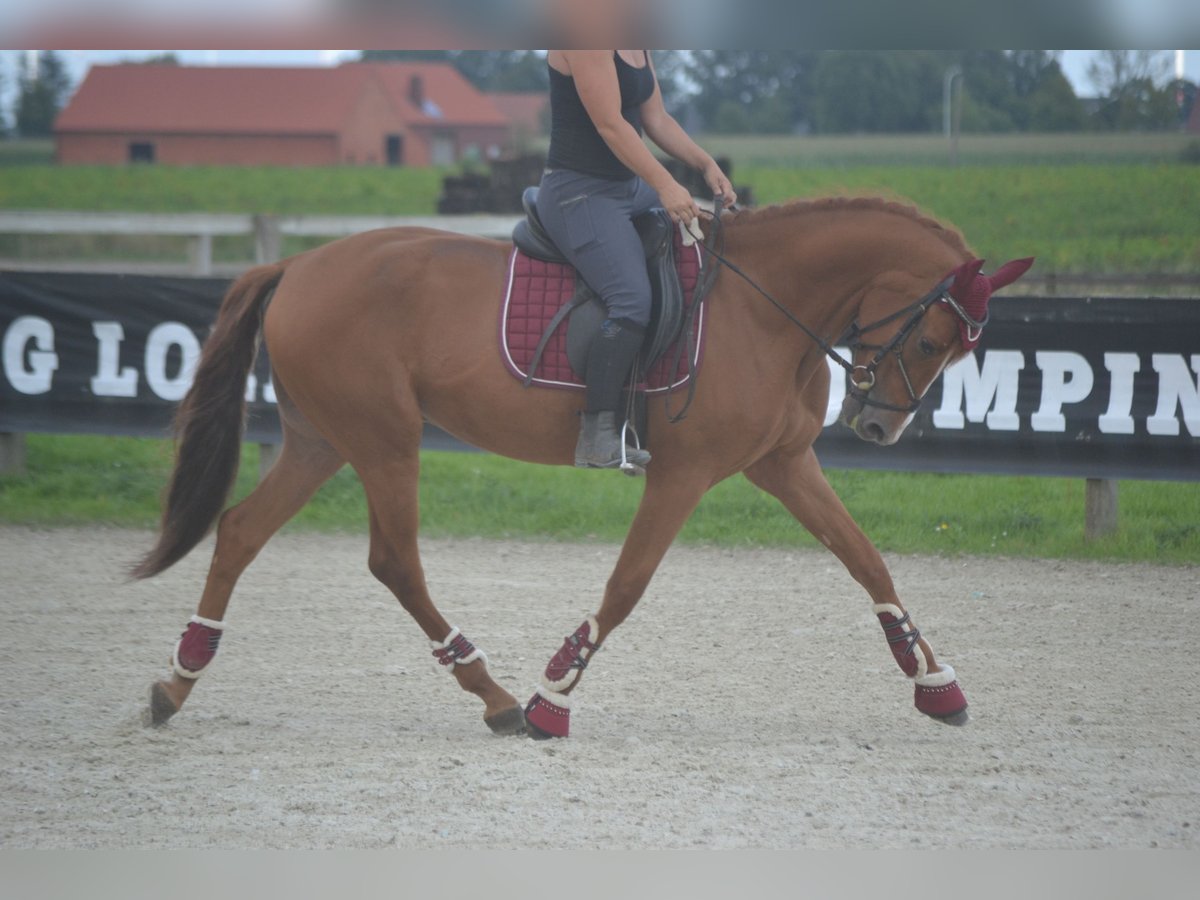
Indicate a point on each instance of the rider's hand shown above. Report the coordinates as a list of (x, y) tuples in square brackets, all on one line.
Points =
[(678, 202), (717, 183)]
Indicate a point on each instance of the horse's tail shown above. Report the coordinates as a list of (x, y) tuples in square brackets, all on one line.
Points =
[(209, 423)]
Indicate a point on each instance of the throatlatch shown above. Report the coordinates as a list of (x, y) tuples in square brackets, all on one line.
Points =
[(548, 713)]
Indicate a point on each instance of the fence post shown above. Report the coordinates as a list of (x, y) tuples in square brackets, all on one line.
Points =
[(268, 247), (1100, 508), (12, 454), (202, 255), (268, 239)]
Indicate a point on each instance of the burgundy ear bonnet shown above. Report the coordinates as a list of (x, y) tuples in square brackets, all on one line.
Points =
[(972, 290)]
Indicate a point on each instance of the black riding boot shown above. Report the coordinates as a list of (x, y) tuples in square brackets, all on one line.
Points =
[(609, 360)]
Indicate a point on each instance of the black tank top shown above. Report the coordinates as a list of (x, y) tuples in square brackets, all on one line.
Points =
[(574, 141)]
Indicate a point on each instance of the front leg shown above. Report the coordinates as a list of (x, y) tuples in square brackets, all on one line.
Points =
[(666, 504), (795, 478)]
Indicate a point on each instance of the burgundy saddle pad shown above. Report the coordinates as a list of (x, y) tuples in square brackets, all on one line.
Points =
[(535, 290)]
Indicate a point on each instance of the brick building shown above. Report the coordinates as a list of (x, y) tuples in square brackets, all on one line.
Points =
[(355, 114)]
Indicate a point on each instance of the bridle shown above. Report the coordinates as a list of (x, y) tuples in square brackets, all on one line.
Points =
[(862, 377), (860, 388)]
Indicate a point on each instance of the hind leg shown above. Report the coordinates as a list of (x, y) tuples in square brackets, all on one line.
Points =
[(305, 463), (795, 478), (391, 488)]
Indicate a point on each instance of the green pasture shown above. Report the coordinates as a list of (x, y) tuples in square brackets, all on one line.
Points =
[(1107, 203), (1080, 203), (933, 150), (1091, 218), (117, 481)]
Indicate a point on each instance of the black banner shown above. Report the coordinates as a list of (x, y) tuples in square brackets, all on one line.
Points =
[(1099, 388), (1106, 388)]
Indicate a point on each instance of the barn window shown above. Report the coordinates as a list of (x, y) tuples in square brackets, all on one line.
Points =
[(141, 152)]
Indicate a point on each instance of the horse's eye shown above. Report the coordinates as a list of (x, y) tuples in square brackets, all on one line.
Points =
[(927, 347)]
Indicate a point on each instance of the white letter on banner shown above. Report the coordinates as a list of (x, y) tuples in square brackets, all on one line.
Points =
[(1176, 387), (1122, 367), (1056, 365), (158, 346), (108, 382), (998, 381), (37, 377), (837, 386)]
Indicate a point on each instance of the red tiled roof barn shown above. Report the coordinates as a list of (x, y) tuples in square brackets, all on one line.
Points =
[(359, 113)]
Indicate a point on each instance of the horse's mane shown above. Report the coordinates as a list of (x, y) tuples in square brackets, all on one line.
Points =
[(847, 204)]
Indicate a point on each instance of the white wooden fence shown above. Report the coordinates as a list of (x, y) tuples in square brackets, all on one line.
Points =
[(201, 228)]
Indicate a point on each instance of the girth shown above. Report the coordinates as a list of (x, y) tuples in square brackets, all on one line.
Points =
[(586, 310)]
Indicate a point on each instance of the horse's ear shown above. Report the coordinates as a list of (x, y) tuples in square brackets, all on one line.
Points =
[(964, 278), (1009, 272)]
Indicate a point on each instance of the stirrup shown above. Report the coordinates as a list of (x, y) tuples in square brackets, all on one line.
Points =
[(631, 469)]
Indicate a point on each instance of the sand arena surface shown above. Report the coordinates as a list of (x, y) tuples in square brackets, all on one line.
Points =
[(750, 701)]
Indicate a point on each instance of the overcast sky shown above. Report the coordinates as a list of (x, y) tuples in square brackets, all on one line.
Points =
[(1075, 62)]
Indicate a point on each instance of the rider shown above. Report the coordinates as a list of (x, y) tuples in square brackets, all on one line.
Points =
[(599, 175)]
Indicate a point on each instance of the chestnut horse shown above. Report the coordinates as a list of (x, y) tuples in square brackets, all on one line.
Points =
[(372, 335)]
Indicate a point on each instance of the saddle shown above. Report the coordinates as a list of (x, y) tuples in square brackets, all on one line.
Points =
[(586, 311)]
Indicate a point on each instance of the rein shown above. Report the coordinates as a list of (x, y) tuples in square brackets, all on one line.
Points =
[(860, 387)]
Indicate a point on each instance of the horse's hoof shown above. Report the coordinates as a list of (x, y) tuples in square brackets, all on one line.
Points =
[(161, 707), (545, 718), (939, 697), (509, 721), (536, 733), (962, 717)]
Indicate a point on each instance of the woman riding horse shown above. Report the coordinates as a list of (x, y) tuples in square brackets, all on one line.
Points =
[(599, 176)]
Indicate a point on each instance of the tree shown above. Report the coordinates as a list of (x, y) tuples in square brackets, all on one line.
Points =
[(488, 70), (170, 58), (41, 94), (877, 91), (1113, 71), (1129, 82), (1053, 106), (751, 78)]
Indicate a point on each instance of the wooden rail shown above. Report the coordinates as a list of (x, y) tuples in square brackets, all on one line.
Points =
[(201, 228)]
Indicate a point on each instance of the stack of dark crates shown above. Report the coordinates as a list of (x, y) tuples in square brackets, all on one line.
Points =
[(499, 191)]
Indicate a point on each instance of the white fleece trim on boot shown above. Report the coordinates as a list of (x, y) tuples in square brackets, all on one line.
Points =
[(937, 679), (562, 701), (573, 674), (210, 623), (445, 645)]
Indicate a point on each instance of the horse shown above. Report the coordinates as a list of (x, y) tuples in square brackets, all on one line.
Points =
[(372, 335)]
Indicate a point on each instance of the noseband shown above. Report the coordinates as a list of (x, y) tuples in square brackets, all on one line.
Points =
[(862, 378), (861, 385)]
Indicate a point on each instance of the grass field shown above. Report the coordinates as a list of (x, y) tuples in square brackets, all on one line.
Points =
[(1080, 203), (117, 481), (1116, 203), (874, 150)]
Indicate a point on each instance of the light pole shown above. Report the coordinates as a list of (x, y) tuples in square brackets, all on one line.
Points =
[(951, 116)]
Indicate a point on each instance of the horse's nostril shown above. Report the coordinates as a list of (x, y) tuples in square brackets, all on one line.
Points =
[(874, 431)]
